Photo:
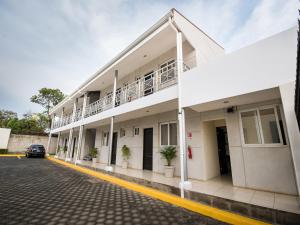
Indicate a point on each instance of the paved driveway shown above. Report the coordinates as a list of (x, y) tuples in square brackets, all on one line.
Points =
[(37, 191)]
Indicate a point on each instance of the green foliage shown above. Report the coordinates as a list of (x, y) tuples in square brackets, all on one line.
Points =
[(48, 98), (30, 124), (6, 116), (94, 152), (168, 153), (3, 151), (125, 152), (64, 149)]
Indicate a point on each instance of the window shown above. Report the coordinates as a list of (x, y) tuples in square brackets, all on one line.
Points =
[(136, 131), (122, 132), (263, 126), (250, 127), (105, 138), (168, 134)]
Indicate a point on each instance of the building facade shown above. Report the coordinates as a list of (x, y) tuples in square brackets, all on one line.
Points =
[(227, 114)]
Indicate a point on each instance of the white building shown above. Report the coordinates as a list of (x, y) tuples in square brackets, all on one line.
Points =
[(174, 85)]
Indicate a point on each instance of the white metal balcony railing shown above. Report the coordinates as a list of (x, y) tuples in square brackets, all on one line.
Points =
[(150, 83)]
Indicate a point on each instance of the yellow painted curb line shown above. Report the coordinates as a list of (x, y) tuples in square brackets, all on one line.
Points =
[(12, 155), (202, 209)]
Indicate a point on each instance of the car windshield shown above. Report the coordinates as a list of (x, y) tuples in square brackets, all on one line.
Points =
[(39, 147)]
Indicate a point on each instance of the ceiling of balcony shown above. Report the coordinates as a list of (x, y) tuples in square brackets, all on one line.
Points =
[(153, 48)]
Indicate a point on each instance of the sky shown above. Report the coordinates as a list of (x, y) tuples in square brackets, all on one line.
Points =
[(61, 43)]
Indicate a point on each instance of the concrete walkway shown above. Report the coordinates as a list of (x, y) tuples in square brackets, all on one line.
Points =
[(219, 186)]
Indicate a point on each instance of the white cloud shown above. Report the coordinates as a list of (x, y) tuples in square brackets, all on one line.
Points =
[(269, 17)]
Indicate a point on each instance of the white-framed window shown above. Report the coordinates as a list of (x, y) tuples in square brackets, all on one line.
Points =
[(122, 132), (168, 133), (105, 137), (136, 131), (262, 126)]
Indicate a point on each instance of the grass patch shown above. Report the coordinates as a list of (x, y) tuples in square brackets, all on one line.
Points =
[(3, 151)]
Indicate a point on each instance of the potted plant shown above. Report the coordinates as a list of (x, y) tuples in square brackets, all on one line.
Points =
[(63, 151), (93, 154), (125, 154), (169, 153)]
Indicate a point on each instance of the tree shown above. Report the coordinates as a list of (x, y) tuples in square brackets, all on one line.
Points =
[(48, 98), (28, 125), (5, 116)]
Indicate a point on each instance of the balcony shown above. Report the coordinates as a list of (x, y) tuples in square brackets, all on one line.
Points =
[(153, 82)]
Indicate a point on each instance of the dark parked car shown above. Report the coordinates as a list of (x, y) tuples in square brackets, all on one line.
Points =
[(35, 151)]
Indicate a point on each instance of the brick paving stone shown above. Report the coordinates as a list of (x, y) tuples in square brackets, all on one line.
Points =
[(37, 191)]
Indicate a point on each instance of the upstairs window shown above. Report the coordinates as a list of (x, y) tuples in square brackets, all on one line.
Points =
[(263, 126)]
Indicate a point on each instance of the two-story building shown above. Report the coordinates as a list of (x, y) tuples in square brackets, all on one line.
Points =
[(229, 115)]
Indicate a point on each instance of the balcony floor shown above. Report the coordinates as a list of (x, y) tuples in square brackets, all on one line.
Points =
[(220, 186)]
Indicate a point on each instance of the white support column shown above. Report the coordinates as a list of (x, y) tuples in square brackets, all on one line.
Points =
[(61, 116), (287, 92), (69, 145), (57, 145), (111, 132), (80, 144), (181, 119), (68, 157), (74, 110), (48, 144)]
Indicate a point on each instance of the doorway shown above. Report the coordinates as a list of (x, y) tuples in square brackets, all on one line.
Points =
[(148, 149), (223, 151), (73, 148), (114, 148), (216, 158)]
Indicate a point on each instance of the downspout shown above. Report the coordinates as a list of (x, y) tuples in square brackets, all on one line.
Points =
[(181, 117)]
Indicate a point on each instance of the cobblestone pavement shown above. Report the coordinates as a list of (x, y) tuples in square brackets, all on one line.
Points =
[(37, 191)]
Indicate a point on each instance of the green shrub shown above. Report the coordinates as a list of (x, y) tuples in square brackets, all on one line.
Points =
[(169, 153), (3, 151), (64, 149), (125, 152), (93, 152)]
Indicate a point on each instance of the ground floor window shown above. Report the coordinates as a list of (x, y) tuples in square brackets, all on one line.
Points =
[(168, 134), (105, 138), (262, 125)]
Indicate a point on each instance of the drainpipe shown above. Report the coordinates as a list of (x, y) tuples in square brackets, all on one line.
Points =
[(184, 183), (111, 132)]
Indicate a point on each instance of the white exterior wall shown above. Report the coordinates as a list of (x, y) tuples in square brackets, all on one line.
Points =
[(263, 168), (135, 143), (206, 48), (263, 65), (287, 92)]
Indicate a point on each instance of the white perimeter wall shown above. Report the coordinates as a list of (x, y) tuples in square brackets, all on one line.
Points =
[(4, 137), (19, 143)]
